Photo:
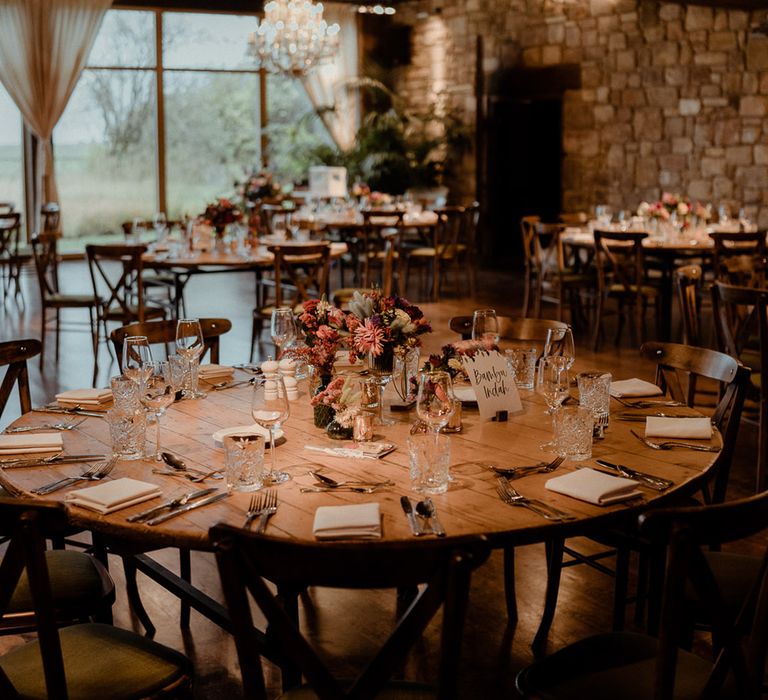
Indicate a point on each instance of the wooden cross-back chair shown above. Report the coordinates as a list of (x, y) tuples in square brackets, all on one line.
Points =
[(44, 250), (10, 260), (116, 272), (741, 328), (621, 664), (443, 567), (163, 331), (14, 355), (621, 275), (740, 258), (532, 329), (91, 660), (300, 273), (341, 297), (527, 224), (369, 244)]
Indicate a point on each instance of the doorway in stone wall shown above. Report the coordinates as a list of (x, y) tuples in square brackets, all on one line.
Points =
[(524, 155)]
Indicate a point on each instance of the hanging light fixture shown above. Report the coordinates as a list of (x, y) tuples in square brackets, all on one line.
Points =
[(293, 37)]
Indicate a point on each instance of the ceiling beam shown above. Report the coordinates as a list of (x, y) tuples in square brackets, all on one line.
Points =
[(242, 7)]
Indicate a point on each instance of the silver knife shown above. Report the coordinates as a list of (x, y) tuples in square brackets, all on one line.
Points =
[(197, 504), (168, 504), (640, 417), (653, 482), (437, 526), (72, 411), (407, 507), (70, 459)]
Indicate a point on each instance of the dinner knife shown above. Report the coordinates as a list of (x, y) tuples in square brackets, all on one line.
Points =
[(407, 507), (640, 417), (191, 506), (654, 482), (168, 504), (72, 411), (64, 459)]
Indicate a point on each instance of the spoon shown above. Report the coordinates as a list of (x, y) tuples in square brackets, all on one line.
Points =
[(180, 466), (333, 484), (426, 509)]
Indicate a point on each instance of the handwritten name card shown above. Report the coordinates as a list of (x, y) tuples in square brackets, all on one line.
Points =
[(493, 383)]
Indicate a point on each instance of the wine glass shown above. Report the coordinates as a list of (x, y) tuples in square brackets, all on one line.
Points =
[(559, 343), (190, 345), (137, 358), (159, 222), (485, 326), (270, 409), (282, 328), (156, 395), (380, 368), (553, 383), (435, 400)]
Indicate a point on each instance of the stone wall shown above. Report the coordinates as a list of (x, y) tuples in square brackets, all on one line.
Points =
[(672, 98)]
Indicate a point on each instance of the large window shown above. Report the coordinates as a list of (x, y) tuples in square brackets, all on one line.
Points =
[(199, 101), (11, 173)]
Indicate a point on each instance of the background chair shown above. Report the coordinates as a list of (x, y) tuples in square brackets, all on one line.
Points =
[(740, 258), (368, 248), (14, 355), (741, 328), (341, 297), (300, 273), (621, 275), (527, 225), (247, 561), (624, 665), (92, 660), (10, 258), (164, 331), (47, 267), (511, 328), (50, 218)]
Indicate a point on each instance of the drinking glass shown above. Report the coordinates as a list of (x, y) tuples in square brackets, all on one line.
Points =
[(156, 395), (282, 328), (190, 345), (137, 358), (270, 409), (522, 362), (553, 382), (434, 401), (429, 463), (381, 368), (127, 428), (244, 462), (572, 427), (159, 221), (406, 367), (560, 343), (595, 394), (485, 326)]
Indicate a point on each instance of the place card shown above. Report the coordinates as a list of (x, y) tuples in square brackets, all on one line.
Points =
[(494, 385)]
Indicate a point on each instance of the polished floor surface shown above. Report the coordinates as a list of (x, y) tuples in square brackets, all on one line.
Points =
[(345, 623)]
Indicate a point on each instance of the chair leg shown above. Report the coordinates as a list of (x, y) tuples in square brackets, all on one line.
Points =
[(509, 583), (42, 334), (598, 322), (185, 571), (255, 333), (762, 441), (134, 598), (526, 292), (620, 588), (58, 332), (554, 550)]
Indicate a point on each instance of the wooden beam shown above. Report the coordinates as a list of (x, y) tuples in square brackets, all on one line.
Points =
[(242, 7)]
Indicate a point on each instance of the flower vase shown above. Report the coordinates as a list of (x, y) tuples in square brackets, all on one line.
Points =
[(381, 367), (323, 414), (336, 431)]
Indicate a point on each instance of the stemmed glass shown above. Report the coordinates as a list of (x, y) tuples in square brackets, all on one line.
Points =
[(190, 345), (282, 328), (381, 370), (270, 409), (137, 358), (435, 400), (559, 343), (160, 222), (485, 326), (156, 395), (553, 383)]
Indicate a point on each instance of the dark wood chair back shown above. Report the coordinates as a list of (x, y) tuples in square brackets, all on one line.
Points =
[(740, 633), (688, 288), (676, 364), (527, 329), (10, 231), (268, 213), (14, 355), (45, 252), (164, 332), (740, 258), (619, 261), (247, 561), (527, 230), (301, 272)]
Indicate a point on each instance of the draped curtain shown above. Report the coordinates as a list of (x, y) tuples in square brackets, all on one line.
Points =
[(326, 84), (44, 45)]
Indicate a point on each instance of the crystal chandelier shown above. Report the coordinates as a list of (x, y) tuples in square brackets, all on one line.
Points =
[(293, 37)]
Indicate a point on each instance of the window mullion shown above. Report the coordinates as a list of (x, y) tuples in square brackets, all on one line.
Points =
[(160, 114)]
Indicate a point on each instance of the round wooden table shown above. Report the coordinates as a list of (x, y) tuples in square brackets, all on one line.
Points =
[(470, 506)]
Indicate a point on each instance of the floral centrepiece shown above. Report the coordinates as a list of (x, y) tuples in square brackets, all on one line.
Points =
[(257, 187), (449, 359), (221, 213), (675, 207), (343, 397), (325, 332)]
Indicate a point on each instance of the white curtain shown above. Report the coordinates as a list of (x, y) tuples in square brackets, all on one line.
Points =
[(325, 84), (43, 48)]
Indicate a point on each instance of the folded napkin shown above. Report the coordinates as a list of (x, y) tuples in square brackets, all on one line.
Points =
[(215, 371), (361, 522), (366, 450), (85, 397), (109, 496), (30, 442), (634, 387), (695, 428), (594, 487)]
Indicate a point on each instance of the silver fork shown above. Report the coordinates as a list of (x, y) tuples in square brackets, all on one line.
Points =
[(511, 496), (94, 473), (254, 508), (269, 508), (669, 444), (517, 472), (47, 426)]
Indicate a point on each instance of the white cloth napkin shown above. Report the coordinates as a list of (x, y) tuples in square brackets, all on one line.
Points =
[(109, 496), (366, 450), (694, 428), (634, 387), (30, 442), (85, 397), (594, 487), (360, 522), (211, 371)]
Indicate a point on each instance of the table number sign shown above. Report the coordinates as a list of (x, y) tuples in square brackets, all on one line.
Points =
[(493, 383)]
